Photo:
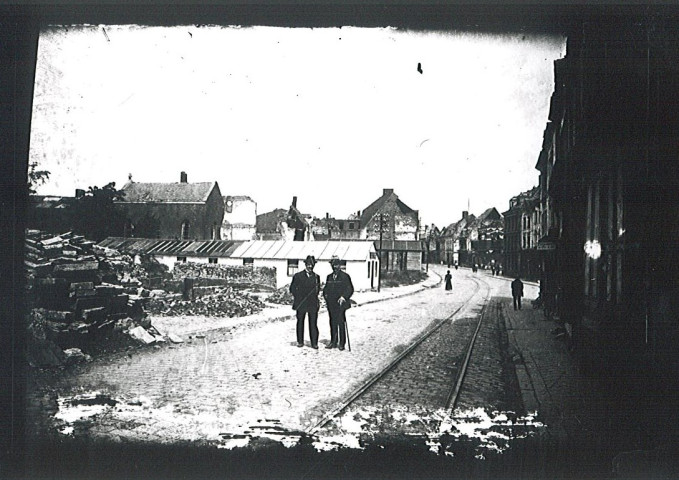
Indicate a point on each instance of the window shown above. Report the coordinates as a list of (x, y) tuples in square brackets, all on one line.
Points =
[(293, 266), (185, 230), (212, 260), (249, 262), (181, 259), (351, 225), (341, 225)]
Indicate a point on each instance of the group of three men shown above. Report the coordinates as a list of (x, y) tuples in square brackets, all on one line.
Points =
[(305, 289)]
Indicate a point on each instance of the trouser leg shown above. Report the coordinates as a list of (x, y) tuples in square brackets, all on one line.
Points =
[(341, 327), (515, 306), (333, 327), (300, 326), (518, 300), (313, 327)]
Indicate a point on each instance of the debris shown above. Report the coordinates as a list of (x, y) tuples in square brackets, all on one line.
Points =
[(174, 338), (139, 333)]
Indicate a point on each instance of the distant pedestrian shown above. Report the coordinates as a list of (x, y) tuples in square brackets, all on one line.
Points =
[(492, 269), (305, 287), (456, 265), (337, 292), (449, 281), (517, 292)]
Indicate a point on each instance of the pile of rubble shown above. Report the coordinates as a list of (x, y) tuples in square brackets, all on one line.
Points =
[(78, 298), (212, 302), (282, 296)]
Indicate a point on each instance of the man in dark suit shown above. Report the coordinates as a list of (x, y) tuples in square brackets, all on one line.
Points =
[(337, 293), (305, 287), (517, 292)]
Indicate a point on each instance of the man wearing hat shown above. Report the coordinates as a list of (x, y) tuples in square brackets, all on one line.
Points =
[(305, 288), (337, 292)]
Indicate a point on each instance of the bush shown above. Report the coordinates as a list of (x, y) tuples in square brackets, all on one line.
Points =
[(402, 277)]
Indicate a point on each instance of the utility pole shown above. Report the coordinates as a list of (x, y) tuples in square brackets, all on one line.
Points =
[(379, 255)]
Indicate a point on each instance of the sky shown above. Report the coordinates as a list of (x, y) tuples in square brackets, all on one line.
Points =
[(330, 115)]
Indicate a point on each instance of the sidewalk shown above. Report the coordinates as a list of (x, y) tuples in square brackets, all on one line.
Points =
[(192, 325)]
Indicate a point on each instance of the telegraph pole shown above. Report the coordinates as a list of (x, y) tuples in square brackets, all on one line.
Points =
[(379, 277)]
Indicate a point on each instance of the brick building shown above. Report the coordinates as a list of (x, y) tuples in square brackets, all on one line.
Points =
[(179, 210)]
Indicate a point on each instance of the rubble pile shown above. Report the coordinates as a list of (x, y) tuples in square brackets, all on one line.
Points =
[(221, 302), (282, 296), (78, 296)]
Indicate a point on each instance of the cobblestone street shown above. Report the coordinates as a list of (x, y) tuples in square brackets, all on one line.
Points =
[(220, 380)]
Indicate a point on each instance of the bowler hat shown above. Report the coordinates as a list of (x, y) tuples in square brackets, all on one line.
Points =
[(310, 259), (335, 260)]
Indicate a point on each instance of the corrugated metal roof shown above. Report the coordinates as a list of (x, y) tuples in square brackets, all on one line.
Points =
[(264, 249), (200, 248), (323, 251)]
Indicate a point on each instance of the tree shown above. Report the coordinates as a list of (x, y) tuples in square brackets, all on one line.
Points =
[(36, 177), (95, 214)]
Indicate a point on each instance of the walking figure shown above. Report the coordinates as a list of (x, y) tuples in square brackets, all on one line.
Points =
[(449, 281), (517, 292), (305, 287), (337, 293)]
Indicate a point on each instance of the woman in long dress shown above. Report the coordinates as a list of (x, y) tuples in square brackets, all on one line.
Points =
[(449, 281)]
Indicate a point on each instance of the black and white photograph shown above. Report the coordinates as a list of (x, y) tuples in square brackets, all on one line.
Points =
[(340, 241)]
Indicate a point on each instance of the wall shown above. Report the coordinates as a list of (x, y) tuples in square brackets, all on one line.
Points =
[(234, 274), (240, 222)]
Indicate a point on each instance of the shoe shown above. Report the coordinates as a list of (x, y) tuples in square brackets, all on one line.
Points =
[(315, 347), (300, 344), (330, 345), (341, 348)]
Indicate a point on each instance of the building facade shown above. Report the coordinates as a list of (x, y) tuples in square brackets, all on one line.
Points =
[(182, 210)]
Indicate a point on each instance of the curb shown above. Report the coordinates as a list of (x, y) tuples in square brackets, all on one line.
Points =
[(322, 309)]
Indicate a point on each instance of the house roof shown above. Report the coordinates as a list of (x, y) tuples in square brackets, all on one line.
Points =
[(179, 192), (291, 250), (486, 215), (154, 246), (371, 210)]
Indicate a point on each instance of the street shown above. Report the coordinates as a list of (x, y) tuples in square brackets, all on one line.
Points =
[(220, 383)]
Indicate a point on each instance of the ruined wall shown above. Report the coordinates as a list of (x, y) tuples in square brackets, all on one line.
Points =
[(233, 274)]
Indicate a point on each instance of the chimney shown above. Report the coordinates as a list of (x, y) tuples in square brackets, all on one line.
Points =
[(79, 193), (465, 214), (327, 216), (387, 191), (294, 202), (183, 178)]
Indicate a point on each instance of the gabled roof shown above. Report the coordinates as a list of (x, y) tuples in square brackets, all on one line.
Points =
[(139, 192), (371, 210), (489, 214)]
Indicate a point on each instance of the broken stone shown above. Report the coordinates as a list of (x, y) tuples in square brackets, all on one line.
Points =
[(174, 338), (75, 355), (139, 333)]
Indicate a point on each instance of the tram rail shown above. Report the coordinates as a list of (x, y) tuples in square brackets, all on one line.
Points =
[(379, 376)]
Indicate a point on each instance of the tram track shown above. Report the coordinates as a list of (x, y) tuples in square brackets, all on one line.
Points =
[(439, 351)]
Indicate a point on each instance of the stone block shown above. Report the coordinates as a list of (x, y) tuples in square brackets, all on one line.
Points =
[(88, 266), (92, 315)]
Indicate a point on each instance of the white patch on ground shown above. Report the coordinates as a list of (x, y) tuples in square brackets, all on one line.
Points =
[(70, 413), (490, 432)]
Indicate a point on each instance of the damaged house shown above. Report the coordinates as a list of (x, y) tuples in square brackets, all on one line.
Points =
[(182, 210)]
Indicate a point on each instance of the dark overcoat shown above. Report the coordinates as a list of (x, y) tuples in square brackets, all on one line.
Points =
[(338, 287), (305, 290)]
